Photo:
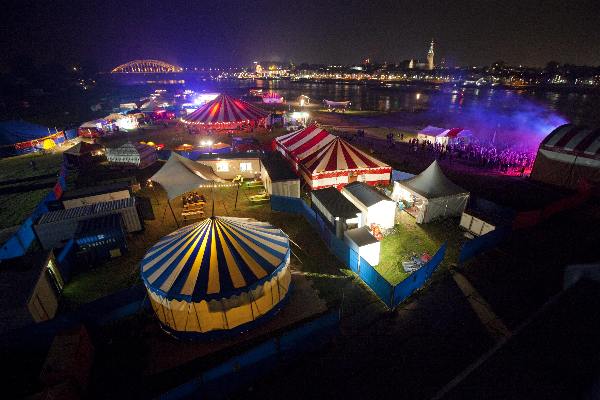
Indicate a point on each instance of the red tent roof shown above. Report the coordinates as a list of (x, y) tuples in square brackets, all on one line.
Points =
[(225, 110), (305, 141), (571, 139), (339, 155)]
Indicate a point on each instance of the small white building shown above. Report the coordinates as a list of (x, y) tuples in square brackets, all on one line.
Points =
[(278, 177), (376, 207), (30, 288), (336, 209), (364, 244), (95, 194), (228, 166), (132, 154)]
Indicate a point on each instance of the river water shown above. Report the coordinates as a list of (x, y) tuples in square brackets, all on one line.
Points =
[(519, 117)]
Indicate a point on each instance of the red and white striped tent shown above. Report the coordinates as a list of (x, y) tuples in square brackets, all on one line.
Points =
[(568, 155), (325, 160), (224, 112), (443, 135)]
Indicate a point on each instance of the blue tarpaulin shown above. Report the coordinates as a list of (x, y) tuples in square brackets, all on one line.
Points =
[(12, 132), (400, 175)]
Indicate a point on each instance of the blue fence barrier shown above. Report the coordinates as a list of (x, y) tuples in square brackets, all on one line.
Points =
[(482, 243), (387, 293), (417, 279), (229, 376), (382, 288)]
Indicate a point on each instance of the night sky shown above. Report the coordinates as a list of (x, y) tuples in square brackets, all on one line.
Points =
[(219, 33)]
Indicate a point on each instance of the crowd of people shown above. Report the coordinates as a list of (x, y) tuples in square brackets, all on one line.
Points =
[(506, 160)]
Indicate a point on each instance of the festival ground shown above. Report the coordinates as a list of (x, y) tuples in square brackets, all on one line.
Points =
[(427, 341)]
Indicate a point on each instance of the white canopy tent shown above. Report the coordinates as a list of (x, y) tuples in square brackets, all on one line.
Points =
[(432, 194), (444, 136), (180, 175), (136, 154)]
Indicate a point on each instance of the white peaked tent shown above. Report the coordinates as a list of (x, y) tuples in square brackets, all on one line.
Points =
[(136, 154), (433, 194), (181, 175)]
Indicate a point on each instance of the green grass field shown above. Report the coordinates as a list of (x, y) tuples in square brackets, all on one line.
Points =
[(18, 167), (410, 237), (16, 207), (310, 255)]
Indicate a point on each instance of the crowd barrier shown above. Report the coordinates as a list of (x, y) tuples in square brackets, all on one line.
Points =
[(226, 378), (20, 241), (417, 279), (389, 294)]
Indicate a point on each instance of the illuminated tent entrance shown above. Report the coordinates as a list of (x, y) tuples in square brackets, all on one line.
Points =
[(431, 195), (220, 274)]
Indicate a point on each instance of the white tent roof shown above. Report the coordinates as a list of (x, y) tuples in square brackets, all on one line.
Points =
[(115, 116), (91, 124), (432, 131), (432, 183), (443, 132), (181, 175)]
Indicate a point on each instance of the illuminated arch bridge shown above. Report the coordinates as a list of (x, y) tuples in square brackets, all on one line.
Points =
[(146, 66)]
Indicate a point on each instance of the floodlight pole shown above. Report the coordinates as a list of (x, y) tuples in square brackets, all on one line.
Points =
[(173, 212)]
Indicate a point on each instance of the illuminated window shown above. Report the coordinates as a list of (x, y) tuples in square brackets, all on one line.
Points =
[(245, 166), (223, 166)]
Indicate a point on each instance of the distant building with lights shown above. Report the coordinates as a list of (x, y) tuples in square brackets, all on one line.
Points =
[(430, 54)]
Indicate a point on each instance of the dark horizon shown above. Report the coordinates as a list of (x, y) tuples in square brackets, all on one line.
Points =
[(232, 33)]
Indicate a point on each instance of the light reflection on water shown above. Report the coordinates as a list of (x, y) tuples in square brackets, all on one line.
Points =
[(523, 115)]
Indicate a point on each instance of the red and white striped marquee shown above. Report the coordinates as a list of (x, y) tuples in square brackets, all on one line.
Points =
[(225, 110), (573, 140), (324, 160)]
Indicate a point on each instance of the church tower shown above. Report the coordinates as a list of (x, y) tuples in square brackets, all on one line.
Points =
[(430, 55)]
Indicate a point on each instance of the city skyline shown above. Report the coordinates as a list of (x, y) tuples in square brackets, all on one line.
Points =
[(236, 33)]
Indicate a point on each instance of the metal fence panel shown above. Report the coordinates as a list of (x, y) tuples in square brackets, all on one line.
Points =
[(353, 261), (340, 250), (376, 282), (417, 279)]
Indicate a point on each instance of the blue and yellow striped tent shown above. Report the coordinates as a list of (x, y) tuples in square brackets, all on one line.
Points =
[(217, 274)]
